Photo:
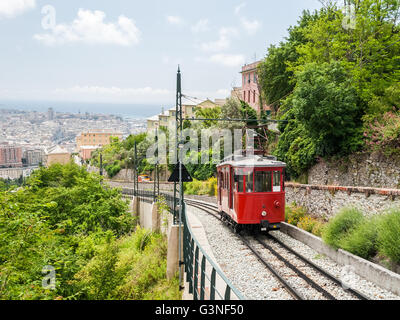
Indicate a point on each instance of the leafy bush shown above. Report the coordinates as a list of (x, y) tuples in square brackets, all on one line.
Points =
[(114, 169), (383, 133), (361, 241), (200, 188), (130, 268), (144, 271), (341, 225), (297, 215), (388, 236), (307, 223), (318, 228), (294, 213)]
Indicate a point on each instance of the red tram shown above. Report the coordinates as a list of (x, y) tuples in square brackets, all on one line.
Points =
[(251, 192)]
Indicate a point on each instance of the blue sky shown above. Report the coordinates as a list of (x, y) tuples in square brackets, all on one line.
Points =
[(127, 51)]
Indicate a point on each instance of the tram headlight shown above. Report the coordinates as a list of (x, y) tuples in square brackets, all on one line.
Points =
[(264, 213)]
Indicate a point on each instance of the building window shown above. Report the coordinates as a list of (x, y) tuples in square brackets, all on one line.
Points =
[(248, 97), (254, 96), (244, 93), (255, 77)]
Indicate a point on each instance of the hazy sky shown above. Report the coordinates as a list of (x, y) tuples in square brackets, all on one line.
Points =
[(128, 51)]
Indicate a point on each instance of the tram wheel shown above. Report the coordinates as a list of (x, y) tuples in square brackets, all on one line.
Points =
[(237, 228)]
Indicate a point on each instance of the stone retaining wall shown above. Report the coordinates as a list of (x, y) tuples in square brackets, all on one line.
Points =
[(364, 170), (325, 201)]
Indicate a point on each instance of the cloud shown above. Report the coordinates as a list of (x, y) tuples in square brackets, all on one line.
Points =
[(250, 26), (201, 26), (240, 7), (11, 8), (222, 43), (89, 28), (175, 20), (228, 60)]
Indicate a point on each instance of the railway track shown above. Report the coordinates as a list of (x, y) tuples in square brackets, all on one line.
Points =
[(292, 270)]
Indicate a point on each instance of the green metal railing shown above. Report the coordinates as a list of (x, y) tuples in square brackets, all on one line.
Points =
[(205, 279), (204, 283)]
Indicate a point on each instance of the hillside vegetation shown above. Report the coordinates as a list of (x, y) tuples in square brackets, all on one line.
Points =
[(64, 219), (337, 87)]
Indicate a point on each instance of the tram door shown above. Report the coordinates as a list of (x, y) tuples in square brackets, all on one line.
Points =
[(220, 187), (231, 186)]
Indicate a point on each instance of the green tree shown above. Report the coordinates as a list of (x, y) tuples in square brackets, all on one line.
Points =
[(325, 102)]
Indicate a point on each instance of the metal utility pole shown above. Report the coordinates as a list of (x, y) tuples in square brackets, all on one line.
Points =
[(179, 126), (136, 176), (156, 178), (101, 164)]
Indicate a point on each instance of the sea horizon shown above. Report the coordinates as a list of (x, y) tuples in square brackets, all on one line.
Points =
[(125, 110)]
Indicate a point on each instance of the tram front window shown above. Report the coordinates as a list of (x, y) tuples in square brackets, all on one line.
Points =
[(263, 181), (249, 182)]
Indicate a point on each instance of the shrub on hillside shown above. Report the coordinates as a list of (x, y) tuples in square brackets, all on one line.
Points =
[(202, 188), (294, 213), (341, 225), (113, 169), (388, 236), (361, 241)]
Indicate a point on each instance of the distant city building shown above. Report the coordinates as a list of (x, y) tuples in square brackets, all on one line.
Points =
[(50, 114), (220, 102), (10, 156), (168, 118), (237, 93), (152, 123), (58, 155), (250, 92), (86, 152), (33, 157), (96, 138)]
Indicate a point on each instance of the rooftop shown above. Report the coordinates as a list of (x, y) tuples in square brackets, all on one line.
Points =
[(239, 160)]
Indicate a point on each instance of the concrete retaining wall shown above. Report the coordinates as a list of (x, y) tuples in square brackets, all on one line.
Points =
[(364, 268), (149, 218)]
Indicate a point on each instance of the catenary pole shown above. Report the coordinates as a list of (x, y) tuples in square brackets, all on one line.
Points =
[(179, 126)]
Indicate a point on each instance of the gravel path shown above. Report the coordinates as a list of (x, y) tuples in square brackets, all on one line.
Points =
[(256, 282)]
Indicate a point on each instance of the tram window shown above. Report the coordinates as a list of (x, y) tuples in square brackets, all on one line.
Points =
[(225, 180), (222, 180), (249, 182), (277, 181), (263, 181), (239, 181)]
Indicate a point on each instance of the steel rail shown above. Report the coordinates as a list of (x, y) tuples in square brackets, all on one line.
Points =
[(302, 275), (356, 293), (325, 273), (292, 291)]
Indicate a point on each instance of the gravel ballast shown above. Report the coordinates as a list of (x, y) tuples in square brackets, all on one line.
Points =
[(256, 282)]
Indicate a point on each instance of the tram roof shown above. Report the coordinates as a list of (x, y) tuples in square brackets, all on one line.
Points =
[(251, 161)]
